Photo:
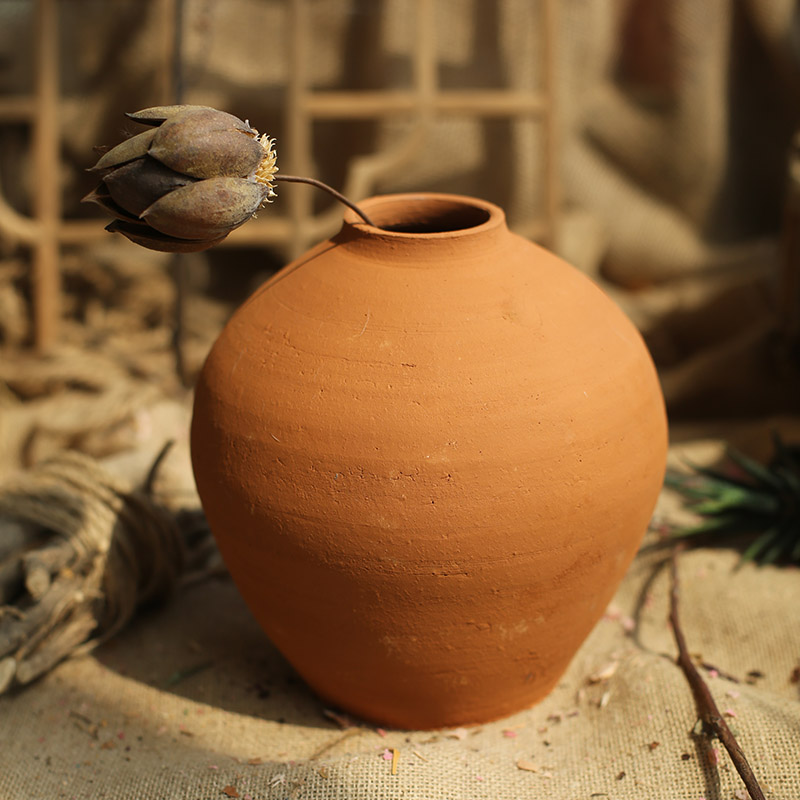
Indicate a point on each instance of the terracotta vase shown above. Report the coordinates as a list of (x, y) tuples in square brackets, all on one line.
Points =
[(429, 451)]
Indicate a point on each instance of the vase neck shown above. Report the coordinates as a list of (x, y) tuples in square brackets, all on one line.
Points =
[(423, 226)]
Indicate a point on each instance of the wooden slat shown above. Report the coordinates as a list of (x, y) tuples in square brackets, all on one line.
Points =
[(300, 200), (47, 199), (17, 109), (552, 160), (82, 231), (263, 230), (366, 105)]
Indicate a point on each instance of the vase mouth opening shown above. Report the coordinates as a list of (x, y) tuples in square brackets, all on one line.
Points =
[(428, 215)]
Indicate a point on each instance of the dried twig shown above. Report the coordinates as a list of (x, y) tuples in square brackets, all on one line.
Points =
[(40, 565), (8, 669), (713, 721), (148, 487)]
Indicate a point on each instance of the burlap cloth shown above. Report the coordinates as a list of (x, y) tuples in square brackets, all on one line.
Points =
[(192, 701)]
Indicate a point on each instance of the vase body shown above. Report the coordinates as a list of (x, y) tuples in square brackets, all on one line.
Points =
[(428, 456)]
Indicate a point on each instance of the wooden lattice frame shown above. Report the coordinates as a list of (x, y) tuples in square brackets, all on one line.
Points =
[(294, 232), (47, 230)]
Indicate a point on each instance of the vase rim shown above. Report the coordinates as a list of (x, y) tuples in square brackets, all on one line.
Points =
[(427, 216)]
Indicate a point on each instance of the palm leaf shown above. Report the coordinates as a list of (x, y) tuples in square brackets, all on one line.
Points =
[(759, 545), (752, 467), (720, 476), (764, 502)]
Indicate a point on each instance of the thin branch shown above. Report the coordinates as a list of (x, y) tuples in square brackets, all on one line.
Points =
[(707, 708), (325, 188), (152, 474)]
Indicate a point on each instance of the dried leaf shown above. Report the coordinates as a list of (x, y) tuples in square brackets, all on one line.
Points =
[(603, 674)]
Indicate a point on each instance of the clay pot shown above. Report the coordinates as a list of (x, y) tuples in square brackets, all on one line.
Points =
[(428, 451)]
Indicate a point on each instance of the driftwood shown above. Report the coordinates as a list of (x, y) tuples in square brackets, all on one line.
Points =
[(79, 553)]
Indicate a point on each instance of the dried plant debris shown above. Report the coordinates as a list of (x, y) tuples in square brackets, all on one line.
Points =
[(82, 554)]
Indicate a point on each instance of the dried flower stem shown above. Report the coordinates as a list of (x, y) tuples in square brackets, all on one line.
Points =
[(713, 721), (329, 189)]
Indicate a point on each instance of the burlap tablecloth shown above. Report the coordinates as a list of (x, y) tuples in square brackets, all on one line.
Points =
[(192, 701)]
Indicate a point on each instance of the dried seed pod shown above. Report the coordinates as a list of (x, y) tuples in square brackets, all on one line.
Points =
[(133, 148), (205, 209), (158, 114), (188, 181), (137, 185), (152, 239), (206, 143), (102, 197)]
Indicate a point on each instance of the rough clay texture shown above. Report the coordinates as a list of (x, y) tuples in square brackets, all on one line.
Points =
[(428, 460)]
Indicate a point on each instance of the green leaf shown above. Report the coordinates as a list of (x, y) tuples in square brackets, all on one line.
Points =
[(789, 477), (789, 536), (722, 524), (795, 554), (739, 500), (763, 541), (753, 468), (772, 554), (720, 477), (691, 485), (764, 502)]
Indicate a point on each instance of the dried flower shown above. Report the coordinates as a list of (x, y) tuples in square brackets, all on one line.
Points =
[(188, 181)]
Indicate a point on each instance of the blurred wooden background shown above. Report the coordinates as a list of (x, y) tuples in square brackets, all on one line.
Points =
[(298, 226)]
